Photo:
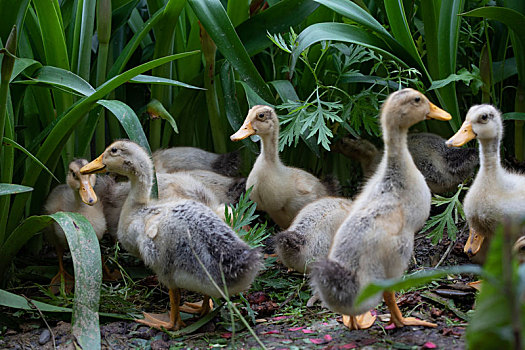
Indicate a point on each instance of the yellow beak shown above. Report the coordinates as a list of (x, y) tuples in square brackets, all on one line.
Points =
[(245, 131), (464, 135), (438, 113), (87, 194), (94, 167)]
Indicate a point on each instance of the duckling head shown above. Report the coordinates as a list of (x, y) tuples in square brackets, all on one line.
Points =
[(122, 157), (82, 183), (406, 107), (482, 122), (261, 120)]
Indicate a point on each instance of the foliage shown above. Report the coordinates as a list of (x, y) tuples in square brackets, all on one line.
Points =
[(498, 320), (448, 218), (241, 215)]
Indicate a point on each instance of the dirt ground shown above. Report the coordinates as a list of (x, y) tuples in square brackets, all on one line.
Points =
[(286, 324)]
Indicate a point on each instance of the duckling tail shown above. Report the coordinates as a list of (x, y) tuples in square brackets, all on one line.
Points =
[(237, 187), (332, 185), (337, 286), (227, 164)]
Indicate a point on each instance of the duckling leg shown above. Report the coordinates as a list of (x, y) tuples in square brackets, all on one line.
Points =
[(202, 308), (397, 318), (362, 321), (474, 243), (69, 281), (175, 322)]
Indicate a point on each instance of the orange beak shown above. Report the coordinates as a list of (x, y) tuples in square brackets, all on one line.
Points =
[(87, 194), (94, 167), (464, 135), (438, 113), (245, 131)]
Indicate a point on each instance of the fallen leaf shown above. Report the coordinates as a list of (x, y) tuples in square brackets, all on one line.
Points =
[(260, 320), (348, 346), (429, 345), (306, 331), (328, 337), (226, 335), (390, 326), (295, 329), (368, 341), (273, 331), (278, 318), (318, 341)]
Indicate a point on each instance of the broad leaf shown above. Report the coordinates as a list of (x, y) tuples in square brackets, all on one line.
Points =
[(6, 189), (148, 79)]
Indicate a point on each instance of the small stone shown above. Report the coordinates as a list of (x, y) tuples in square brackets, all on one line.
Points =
[(44, 337), (159, 345)]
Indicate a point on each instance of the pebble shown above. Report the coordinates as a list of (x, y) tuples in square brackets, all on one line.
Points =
[(44, 337), (159, 345)]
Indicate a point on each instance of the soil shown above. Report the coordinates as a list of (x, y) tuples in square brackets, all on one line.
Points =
[(286, 324)]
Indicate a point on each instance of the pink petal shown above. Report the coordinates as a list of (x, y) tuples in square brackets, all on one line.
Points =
[(348, 346), (280, 318), (273, 331), (318, 341), (390, 326), (429, 345), (307, 331), (226, 335), (325, 324), (328, 337), (295, 329)]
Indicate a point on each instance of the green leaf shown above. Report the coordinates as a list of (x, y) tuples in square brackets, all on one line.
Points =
[(155, 109), (8, 142), (60, 78), (216, 22), (87, 264), (276, 19), (414, 280), (339, 32), (514, 116), (18, 302), (6, 189), (148, 79), (21, 64)]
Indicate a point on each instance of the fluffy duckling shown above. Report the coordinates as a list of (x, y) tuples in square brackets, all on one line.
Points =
[(175, 159), (279, 190), (181, 240), (309, 237), (519, 249), (444, 168), (496, 193), (376, 240), (75, 196)]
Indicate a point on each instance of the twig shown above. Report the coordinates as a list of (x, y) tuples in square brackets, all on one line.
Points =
[(447, 252), (33, 306)]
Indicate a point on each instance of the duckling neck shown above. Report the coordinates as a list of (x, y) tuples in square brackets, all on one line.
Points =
[(396, 148), (489, 156), (140, 189), (269, 147)]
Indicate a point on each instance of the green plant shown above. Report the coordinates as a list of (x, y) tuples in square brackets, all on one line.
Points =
[(448, 218)]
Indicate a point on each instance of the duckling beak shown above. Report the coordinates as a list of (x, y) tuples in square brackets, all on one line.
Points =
[(437, 113), (464, 135), (245, 131), (87, 194), (94, 167)]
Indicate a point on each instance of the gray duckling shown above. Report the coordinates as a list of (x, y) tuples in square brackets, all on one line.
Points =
[(181, 240)]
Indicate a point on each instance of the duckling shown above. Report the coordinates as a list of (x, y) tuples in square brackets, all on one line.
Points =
[(181, 240), (519, 249), (75, 196), (376, 240), (444, 168), (309, 236), (175, 159), (180, 185), (279, 190), (496, 193)]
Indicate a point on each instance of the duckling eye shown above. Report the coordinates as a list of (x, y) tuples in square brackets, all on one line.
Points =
[(113, 150), (484, 117), (260, 116), (73, 174), (417, 99)]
